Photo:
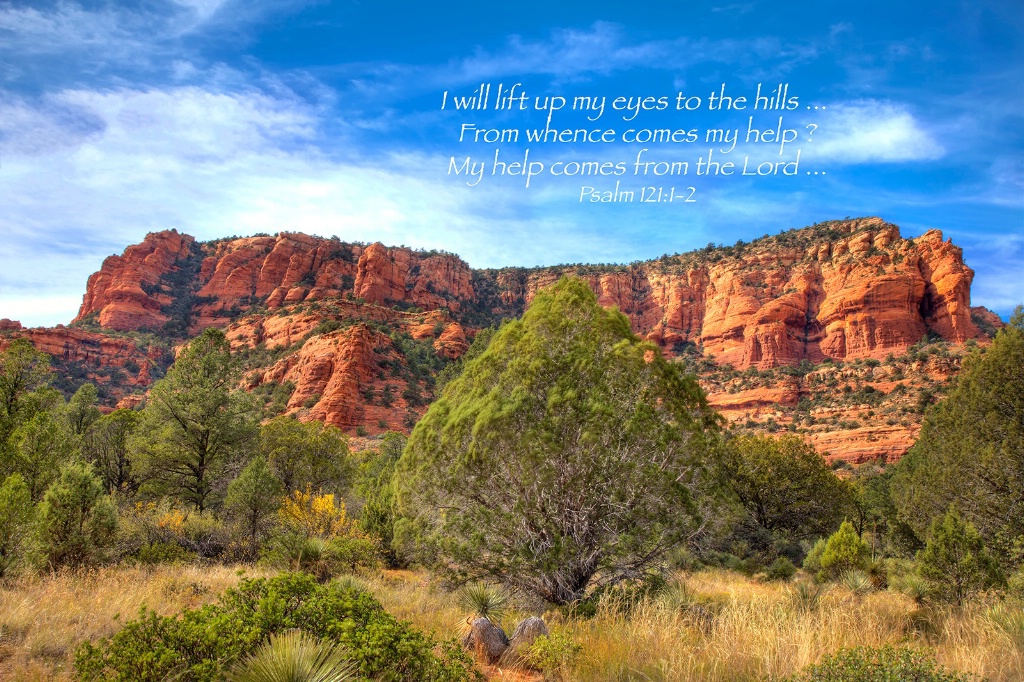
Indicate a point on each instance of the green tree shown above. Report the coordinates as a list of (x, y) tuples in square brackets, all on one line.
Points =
[(77, 520), (81, 411), (40, 445), (194, 425), (844, 551), (23, 369), (306, 454), (971, 450), (106, 446), (252, 503), (569, 453), (16, 516), (955, 563), (377, 516), (785, 486)]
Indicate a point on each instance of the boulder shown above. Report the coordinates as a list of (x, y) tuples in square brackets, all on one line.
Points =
[(523, 637), (486, 640)]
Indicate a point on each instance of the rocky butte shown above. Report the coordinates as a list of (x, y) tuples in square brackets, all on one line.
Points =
[(346, 329)]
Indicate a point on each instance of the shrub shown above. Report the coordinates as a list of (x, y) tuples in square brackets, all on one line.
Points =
[(955, 563), (781, 569), (553, 654), (844, 551), (16, 516), (200, 645), (812, 562), (77, 521), (871, 664)]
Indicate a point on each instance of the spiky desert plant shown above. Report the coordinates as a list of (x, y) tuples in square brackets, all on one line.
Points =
[(294, 656), (483, 600), (857, 582), (805, 596), (350, 582), (913, 586)]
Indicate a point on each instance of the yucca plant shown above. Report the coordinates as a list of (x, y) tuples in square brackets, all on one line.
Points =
[(294, 656), (913, 586), (1009, 619), (857, 582), (805, 596), (314, 557), (484, 601), (350, 582)]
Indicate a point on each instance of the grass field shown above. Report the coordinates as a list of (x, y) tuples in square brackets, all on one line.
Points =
[(712, 625)]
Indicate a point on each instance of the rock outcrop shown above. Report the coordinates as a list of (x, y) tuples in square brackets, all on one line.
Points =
[(486, 640), (329, 318), (844, 290), (117, 364), (122, 294)]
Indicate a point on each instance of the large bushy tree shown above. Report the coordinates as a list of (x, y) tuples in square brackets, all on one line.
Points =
[(785, 486), (568, 454), (23, 369), (375, 486), (195, 425), (971, 450)]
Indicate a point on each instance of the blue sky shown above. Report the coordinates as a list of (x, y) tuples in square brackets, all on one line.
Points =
[(222, 117)]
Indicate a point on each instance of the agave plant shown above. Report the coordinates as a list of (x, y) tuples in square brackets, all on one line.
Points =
[(294, 656), (484, 601)]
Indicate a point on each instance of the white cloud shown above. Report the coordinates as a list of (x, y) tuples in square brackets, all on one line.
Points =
[(39, 311), (214, 164), (869, 131)]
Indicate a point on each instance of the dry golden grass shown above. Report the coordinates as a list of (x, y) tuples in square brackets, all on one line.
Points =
[(43, 619), (726, 627), (722, 626)]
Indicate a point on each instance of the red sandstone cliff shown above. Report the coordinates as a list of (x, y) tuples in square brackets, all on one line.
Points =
[(117, 363), (850, 289), (843, 290)]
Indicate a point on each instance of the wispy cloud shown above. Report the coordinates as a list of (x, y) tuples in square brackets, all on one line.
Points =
[(871, 131)]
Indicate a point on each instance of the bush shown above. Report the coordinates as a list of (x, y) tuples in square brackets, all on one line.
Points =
[(77, 521), (844, 551), (200, 645), (16, 517), (781, 569), (955, 563), (553, 654), (812, 562), (871, 664)]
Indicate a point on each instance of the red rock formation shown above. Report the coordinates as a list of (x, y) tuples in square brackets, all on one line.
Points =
[(865, 293), (333, 373), (841, 290), (116, 293), (96, 352)]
